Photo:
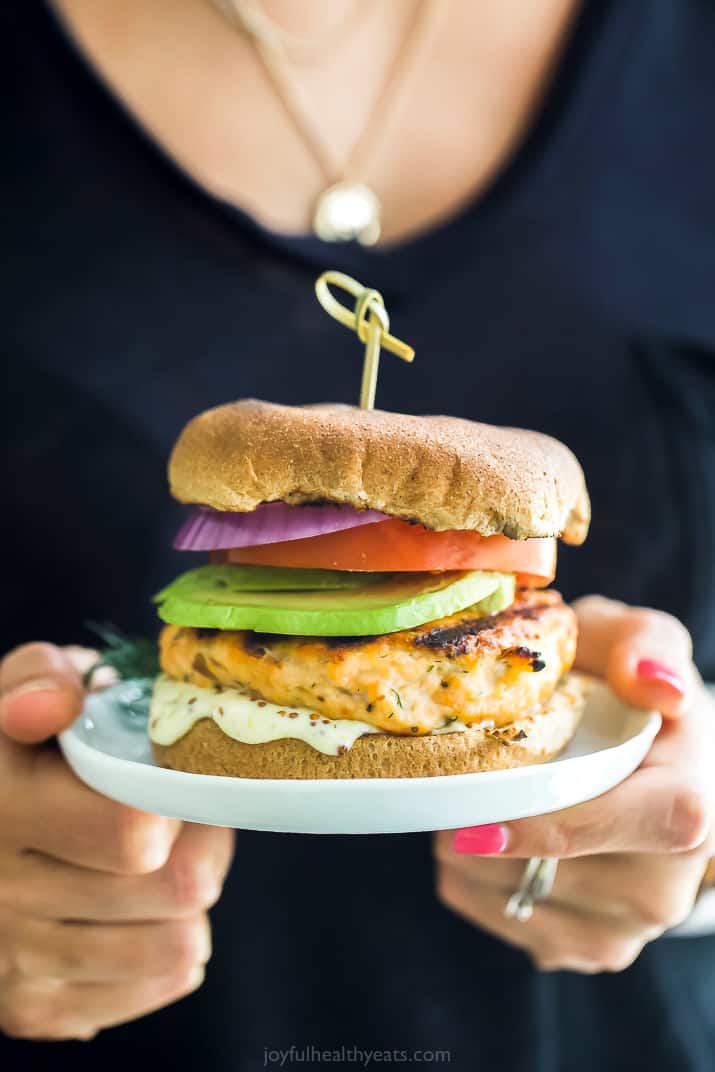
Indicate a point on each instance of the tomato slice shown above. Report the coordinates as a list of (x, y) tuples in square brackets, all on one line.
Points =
[(393, 546)]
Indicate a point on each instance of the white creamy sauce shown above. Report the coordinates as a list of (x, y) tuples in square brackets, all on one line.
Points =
[(177, 706)]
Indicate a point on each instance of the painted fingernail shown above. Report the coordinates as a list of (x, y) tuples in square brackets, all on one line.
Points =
[(482, 840), (650, 670)]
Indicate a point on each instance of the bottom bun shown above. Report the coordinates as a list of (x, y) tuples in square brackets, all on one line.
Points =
[(534, 738)]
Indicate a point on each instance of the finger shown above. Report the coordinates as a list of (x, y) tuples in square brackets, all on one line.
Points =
[(190, 882), (71, 822), (688, 745), (110, 1006), (655, 810), (199, 862), (651, 663), (40, 693), (79, 1010), (592, 883), (647, 891), (83, 659), (99, 953), (556, 937), (646, 655)]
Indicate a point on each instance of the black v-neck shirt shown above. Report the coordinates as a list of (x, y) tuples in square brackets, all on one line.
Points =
[(576, 295)]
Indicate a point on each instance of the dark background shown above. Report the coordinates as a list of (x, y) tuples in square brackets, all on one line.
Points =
[(576, 297)]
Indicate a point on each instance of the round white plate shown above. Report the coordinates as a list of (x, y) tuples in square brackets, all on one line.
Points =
[(114, 757)]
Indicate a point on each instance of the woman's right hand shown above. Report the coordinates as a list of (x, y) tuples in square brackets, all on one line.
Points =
[(102, 907)]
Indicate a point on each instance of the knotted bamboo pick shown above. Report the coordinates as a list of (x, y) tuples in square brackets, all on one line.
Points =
[(369, 320)]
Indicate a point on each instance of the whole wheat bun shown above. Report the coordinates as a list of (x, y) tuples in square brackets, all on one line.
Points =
[(444, 472), (534, 738)]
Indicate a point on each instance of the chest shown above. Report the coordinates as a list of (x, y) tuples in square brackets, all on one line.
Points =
[(422, 105)]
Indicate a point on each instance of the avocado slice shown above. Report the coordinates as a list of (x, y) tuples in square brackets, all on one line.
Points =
[(387, 605), (221, 582), (501, 598)]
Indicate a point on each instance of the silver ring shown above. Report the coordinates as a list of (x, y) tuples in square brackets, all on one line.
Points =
[(536, 885)]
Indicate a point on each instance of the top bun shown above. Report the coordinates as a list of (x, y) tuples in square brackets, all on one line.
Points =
[(444, 472)]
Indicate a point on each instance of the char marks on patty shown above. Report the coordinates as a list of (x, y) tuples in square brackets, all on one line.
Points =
[(463, 637)]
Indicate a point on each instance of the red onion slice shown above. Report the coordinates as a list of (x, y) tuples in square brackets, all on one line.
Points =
[(213, 530)]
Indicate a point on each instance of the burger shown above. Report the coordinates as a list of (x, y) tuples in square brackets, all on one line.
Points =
[(375, 603)]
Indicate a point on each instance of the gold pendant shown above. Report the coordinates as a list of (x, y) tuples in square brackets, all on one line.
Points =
[(347, 211)]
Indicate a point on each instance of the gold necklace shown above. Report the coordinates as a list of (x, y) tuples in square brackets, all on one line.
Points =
[(347, 209), (300, 47)]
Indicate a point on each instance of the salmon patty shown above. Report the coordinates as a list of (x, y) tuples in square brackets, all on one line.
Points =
[(411, 682)]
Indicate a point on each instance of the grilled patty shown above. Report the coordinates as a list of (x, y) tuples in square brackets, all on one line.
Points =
[(409, 682)]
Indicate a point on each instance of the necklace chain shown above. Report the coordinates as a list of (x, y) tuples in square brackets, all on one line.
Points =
[(347, 208), (259, 25)]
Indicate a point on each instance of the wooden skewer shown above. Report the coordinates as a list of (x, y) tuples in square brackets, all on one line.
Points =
[(370, 322)]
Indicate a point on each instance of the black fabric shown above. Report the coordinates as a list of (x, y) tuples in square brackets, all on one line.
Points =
[(575, 296)]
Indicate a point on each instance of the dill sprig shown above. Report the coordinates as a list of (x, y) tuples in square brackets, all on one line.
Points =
[(131, 657)]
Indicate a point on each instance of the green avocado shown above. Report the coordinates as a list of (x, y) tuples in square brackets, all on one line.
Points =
[(384, 605), (226, 584), (501, 598)]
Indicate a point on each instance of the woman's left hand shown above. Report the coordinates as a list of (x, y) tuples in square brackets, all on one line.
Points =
[(632, 859)]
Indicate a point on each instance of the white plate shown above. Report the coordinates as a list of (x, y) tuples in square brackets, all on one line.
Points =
[(114, 758)]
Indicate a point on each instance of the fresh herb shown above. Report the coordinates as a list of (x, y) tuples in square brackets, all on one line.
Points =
[(430, 668), (131, 657), (397, 697)]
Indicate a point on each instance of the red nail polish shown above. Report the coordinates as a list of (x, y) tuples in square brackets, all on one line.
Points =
[(482, 840), (650, 670)]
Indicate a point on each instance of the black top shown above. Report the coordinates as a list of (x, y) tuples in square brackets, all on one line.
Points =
[(574, 296)]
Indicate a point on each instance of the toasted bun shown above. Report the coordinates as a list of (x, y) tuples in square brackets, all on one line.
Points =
[(444, 472), (536, 737)]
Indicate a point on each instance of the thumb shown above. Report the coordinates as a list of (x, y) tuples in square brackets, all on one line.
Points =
[(645, 655), (40, 693)]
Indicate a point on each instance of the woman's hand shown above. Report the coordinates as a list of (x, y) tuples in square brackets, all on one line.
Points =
[(631, 860), (102, 907)]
